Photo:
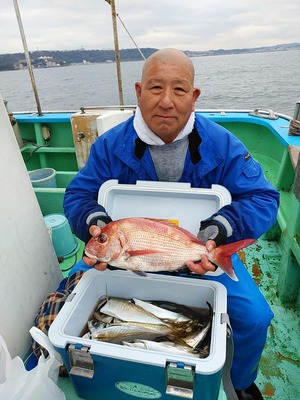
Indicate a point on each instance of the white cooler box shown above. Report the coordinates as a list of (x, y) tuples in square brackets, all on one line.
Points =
[(106, 371)]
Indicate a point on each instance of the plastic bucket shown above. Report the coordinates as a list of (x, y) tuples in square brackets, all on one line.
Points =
[(64, 242), (44, 177)]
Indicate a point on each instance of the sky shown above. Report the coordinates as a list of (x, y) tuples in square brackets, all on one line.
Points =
[(198, 25)]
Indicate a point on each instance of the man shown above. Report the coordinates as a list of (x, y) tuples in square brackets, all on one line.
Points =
[(167, 141)]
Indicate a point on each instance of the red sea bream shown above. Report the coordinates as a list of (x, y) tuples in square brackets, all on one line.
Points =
[(149, 245)]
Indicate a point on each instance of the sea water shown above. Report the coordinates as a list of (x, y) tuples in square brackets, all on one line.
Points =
[(268, 80)]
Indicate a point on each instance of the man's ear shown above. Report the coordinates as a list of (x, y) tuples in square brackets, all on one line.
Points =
[(138, 90), (196, 94)]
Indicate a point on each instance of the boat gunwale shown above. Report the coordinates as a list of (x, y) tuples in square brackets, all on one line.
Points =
[(275, 125)]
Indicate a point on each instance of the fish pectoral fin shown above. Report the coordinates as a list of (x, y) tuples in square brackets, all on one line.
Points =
[(139, 273), (135, 253)]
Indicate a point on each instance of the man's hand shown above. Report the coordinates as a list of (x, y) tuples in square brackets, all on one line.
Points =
[(95, 231), (204, 265)]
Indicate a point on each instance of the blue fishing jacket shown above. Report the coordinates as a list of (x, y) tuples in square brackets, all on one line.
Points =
[(214, 156)]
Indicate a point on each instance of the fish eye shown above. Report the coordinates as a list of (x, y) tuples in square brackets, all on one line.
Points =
[(103, 238)]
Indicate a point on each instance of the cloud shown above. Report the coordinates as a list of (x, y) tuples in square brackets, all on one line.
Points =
[(193, 25)]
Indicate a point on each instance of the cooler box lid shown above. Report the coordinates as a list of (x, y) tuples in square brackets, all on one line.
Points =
[(174, 201)]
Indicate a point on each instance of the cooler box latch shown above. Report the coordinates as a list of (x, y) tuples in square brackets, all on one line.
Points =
[(81, 361), (180, 379)]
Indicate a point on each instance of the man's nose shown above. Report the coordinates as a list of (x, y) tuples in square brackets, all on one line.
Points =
[(166, 99)]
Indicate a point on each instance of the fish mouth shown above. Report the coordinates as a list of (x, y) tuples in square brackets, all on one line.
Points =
[(90, 255)]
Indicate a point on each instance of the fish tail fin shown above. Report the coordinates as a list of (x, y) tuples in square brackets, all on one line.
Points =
[(222, 255), (176, 339)]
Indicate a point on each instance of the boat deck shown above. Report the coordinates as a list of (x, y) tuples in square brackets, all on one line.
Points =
[(279, 372)]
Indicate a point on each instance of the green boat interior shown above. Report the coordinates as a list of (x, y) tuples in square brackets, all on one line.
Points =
[(62, 140)]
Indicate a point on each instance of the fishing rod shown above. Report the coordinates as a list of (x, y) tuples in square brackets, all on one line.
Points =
[(27, 57)]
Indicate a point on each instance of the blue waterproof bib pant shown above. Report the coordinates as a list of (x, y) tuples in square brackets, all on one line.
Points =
[(249, 328)]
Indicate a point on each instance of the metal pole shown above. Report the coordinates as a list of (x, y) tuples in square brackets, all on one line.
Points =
[(27, 57), (117, 51)]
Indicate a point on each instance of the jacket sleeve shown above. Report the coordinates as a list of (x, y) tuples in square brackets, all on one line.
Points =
[(255, 201), (81, 197)]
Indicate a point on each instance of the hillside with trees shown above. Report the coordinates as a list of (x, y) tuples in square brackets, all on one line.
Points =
[(44, 59), (47, 58)]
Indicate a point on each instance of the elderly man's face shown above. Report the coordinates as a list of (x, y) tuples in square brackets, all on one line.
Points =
[(166, 97)]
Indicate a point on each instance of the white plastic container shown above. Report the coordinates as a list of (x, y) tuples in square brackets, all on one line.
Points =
[(170, 200), (110, 118), (102, 371)]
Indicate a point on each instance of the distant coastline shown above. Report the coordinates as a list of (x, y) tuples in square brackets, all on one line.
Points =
[(54, 58)]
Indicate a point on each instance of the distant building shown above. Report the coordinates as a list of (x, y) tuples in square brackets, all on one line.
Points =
[(46, 62)]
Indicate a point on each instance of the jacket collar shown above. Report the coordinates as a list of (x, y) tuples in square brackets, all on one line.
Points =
[(194, 143), (198, 138)]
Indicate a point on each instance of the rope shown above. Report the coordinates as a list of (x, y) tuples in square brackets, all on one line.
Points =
[(131, 37)]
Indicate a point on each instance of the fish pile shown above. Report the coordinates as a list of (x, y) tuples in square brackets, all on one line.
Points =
[(154, 325), (151, 245)]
